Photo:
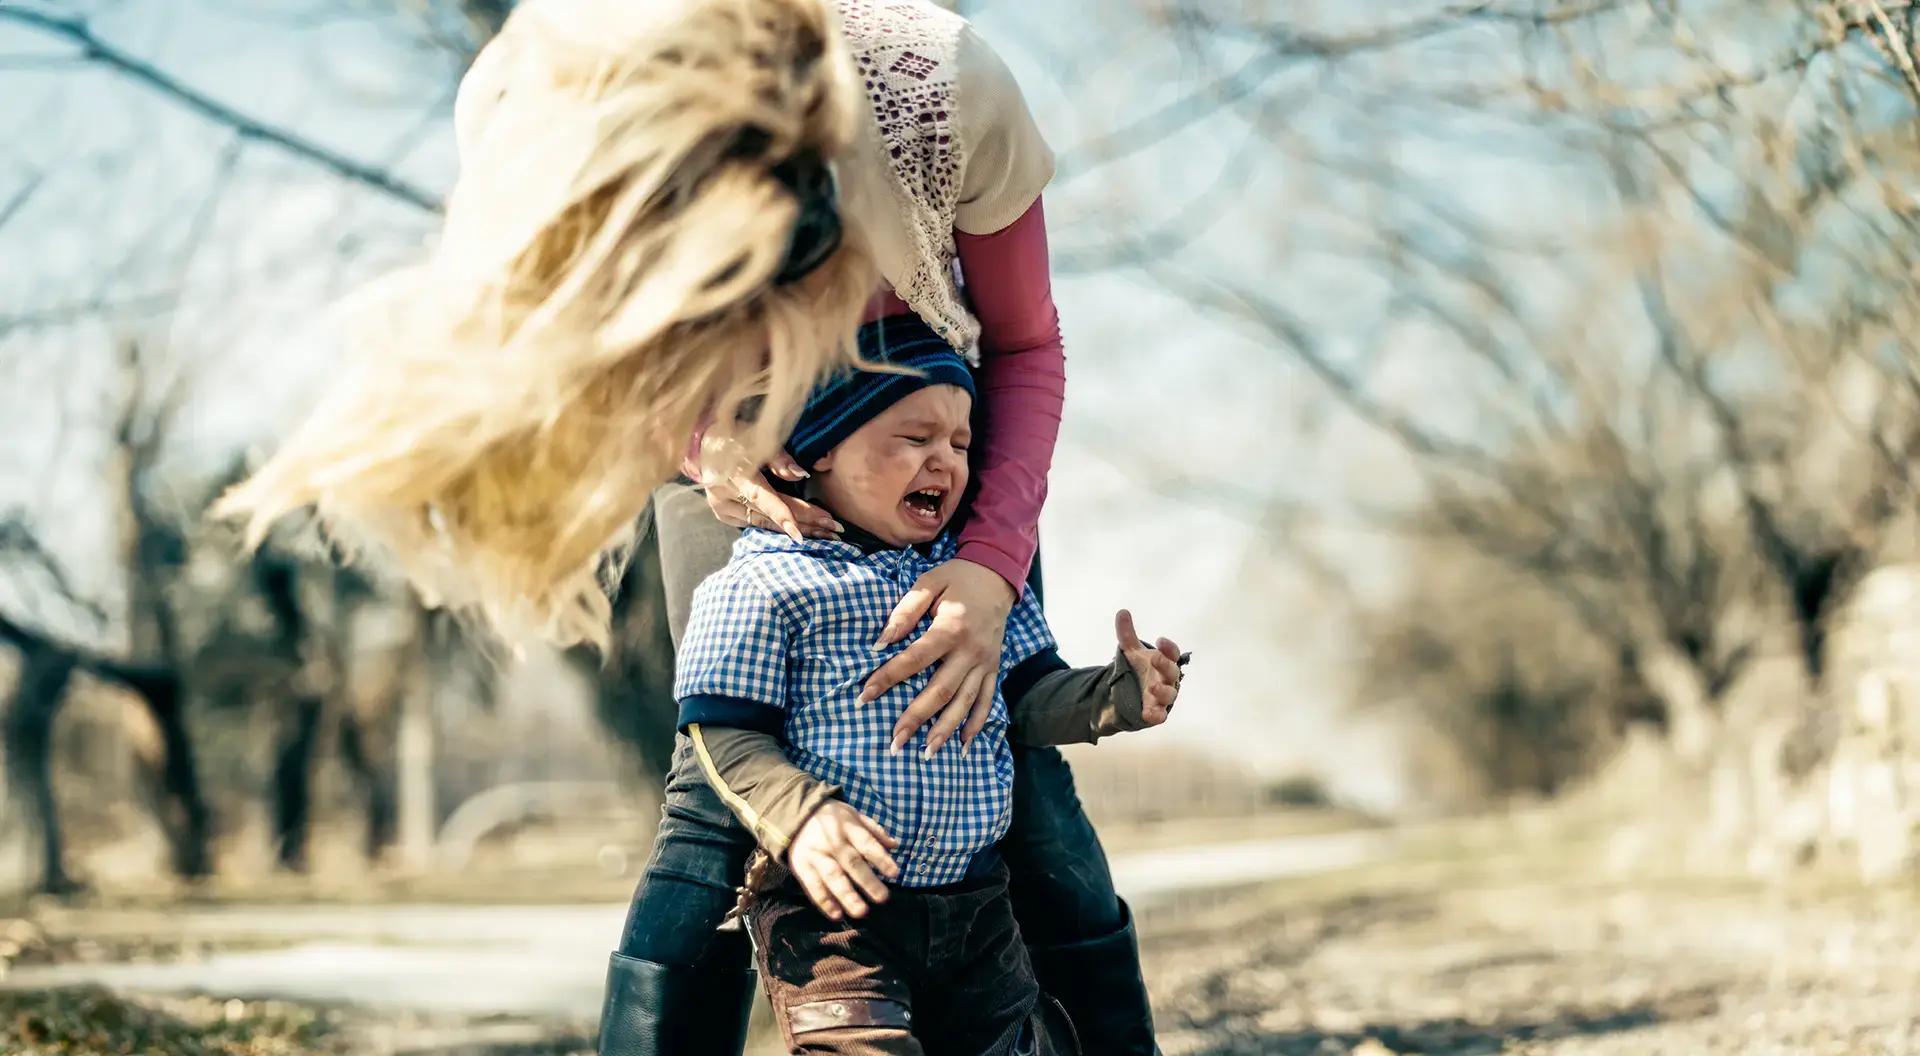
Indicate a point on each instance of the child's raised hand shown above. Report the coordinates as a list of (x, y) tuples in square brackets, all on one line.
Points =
[(834, 856), (1158, 667)]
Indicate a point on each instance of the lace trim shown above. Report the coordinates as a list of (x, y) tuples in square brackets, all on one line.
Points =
[(906, 52)]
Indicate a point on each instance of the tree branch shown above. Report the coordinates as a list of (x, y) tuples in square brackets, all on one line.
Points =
[(18, 543), (95, 50), (1220, 295), (19, 198)]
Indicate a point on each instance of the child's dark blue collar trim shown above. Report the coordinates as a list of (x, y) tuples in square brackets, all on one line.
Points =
[(854, 542)]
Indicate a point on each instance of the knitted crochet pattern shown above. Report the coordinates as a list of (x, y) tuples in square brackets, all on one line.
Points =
[(906, 52)]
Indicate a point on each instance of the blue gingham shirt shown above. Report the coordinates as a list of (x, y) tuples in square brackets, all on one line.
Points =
[(781, 640)]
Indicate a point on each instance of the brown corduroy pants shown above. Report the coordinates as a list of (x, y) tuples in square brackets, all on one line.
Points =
[(930, 972)]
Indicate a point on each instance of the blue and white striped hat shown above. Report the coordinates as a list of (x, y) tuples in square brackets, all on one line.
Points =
[(847, 401)]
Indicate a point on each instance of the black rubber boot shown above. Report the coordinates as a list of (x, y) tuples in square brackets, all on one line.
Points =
[(1099, 983), (668, 1010)]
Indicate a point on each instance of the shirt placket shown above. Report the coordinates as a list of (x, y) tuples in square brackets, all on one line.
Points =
[(902, 572)]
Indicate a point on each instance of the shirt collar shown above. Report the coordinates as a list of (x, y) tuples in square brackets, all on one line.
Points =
[(854, 543)]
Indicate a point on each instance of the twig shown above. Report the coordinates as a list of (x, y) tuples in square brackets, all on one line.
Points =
[(95, 50), (19, 199), (18, 543), (1897, 46), (1162, 124)]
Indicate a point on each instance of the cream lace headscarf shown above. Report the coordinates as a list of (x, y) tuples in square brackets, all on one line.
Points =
[(603, 284)]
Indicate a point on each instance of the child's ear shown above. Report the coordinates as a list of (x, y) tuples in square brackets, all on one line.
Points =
[(824, 463)]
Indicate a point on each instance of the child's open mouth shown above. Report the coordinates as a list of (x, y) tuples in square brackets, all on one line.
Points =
[(923, 507)]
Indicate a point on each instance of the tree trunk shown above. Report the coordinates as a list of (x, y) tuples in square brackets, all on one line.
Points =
[(174, 780), (293, 782), (360, 749), (44, 675), (1682, 687)]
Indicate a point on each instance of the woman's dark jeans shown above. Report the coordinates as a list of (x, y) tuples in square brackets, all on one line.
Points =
[(1061, 888)]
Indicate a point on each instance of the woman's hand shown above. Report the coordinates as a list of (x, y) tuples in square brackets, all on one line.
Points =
[(834, 856), (969, 603), (747, 500)]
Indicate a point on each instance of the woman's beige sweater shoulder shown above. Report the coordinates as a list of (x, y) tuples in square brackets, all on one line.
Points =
[(948, 144), (1007, 162)]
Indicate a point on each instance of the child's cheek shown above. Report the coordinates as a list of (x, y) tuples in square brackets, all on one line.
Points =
[(892, 469)]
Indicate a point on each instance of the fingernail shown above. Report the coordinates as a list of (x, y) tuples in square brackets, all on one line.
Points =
[(965, 747), (928, 754), (895, 750), (837, 526)]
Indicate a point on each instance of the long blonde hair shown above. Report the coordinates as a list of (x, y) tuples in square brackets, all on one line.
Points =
[(602, 287)]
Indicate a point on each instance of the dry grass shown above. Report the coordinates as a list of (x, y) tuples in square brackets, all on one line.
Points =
[(82, 1021)]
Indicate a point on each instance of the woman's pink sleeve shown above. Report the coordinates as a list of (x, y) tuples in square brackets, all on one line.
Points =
[(1023, 385)]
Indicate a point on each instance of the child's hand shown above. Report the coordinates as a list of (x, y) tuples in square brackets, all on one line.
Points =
[(1157, 666), (834, 855)]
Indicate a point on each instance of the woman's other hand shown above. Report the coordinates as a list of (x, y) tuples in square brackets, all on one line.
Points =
[(748, 500)]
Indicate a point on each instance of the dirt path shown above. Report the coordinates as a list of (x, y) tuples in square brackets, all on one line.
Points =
[(1556, 967), (532, 960), (1473, 950)]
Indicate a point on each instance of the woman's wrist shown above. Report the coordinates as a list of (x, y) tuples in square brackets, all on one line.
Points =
[(1010, 568)]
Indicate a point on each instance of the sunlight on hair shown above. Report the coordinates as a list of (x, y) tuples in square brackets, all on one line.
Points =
[(602, 285)]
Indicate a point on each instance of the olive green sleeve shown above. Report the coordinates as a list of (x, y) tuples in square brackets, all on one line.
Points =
[(1079, 705), (771, 796)]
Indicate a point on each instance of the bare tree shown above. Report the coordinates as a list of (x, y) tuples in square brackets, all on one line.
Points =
[(152, 553), (48, 666), (1682, 405), (277, 638)]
